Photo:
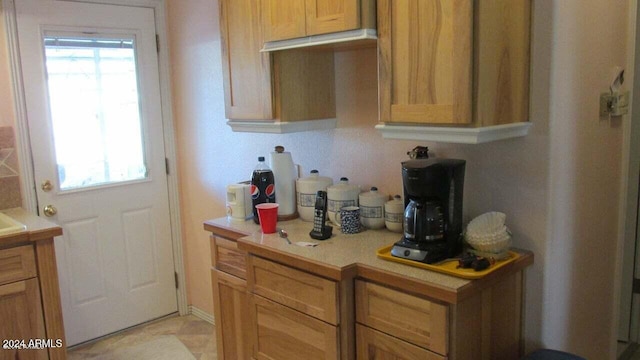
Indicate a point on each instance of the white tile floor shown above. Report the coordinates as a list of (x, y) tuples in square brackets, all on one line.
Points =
[(197, 335)]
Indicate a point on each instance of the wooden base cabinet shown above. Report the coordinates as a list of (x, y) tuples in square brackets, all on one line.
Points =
[(296, 314), (279, 306), (393, 324), (232, 318), (230, 299), (376, 345), (30, 307), (281, 333), (22, 319)]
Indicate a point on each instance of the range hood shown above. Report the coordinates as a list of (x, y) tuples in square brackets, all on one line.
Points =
[(359, 37)]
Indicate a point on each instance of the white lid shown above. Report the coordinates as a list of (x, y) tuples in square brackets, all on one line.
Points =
[(344, 185), (373, 194), (314, 177), (397, 199)]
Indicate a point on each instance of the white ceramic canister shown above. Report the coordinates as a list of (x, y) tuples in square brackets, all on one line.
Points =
[(284, 175), (306, 190), (372, 208), (340, 195), (394, 213)]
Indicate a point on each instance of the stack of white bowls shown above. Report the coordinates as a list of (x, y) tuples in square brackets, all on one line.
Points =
[(488, 233)]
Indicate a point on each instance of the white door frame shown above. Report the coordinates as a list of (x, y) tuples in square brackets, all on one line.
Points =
[(29, 201), (629, 314)]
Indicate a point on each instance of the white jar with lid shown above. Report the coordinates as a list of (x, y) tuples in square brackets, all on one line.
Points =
[(372, 209), (394, 214), (340, 195), (306, 190)]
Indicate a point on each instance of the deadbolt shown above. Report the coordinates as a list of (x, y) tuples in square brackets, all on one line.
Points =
[(49, 210), (46, 186)]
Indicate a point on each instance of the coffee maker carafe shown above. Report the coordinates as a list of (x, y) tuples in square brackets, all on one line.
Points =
[(433, 210)]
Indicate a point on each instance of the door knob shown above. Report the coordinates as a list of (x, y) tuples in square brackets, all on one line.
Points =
[(46, 186), (49, 210)]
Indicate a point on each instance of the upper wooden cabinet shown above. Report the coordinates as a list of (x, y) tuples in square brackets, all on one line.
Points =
[(453, 62), (286, 86), (246, 72), (289, 19)]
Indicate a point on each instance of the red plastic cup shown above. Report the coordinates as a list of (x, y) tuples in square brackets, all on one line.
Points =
[(268, 216)]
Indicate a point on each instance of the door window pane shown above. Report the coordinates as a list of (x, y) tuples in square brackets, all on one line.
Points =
[(95, 110)]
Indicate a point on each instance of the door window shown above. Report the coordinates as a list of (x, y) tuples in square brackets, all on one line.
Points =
[(95, 110)]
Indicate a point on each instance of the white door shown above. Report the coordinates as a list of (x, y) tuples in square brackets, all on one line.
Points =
[(91, 83)]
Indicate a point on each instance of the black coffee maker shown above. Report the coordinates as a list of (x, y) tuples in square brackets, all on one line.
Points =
[(433, 210)]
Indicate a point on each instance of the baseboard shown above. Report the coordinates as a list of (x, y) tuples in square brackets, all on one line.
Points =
[(202, 314), (630, 350)]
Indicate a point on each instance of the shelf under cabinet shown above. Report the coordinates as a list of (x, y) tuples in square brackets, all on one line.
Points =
[(281, 127), (460, 135)]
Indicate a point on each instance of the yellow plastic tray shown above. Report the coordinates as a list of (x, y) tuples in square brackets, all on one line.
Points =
[(448, 267)]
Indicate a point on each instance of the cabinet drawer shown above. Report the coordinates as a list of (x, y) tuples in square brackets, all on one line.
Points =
[(281, 333), (374, 345), (411, 318), (296, 289), (17, 263), (228, 258)]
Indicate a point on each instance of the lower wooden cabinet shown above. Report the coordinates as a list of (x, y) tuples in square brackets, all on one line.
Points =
[(375, 345), (281, 333), (293, 308), (232, 316), (30, 308), (22, 319), (300, 290), (414, 319)]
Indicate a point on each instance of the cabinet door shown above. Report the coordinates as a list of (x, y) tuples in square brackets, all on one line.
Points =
[(374, 345), (425, 61), (248, 93), (327, 16), (21, 314), (281, 333), (231, 310), (283, 19)]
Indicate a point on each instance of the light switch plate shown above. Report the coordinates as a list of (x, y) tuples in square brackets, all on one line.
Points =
[(614, 104)]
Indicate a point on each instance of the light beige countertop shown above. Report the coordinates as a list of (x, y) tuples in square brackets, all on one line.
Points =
[(37, 228), (343, 256)]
